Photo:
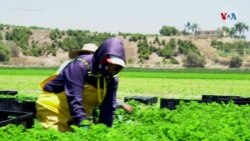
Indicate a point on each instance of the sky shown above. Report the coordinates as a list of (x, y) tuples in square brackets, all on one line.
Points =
[(133, 16)]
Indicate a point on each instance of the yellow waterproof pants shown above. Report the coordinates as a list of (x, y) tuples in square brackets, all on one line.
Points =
[(53, 108)]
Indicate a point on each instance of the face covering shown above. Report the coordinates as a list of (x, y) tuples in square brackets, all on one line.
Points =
[(103, 69), (108, 69)]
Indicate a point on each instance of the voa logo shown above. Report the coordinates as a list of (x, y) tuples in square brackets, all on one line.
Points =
[(228, 16)]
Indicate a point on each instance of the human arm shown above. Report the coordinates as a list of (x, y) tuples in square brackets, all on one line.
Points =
[(107, 108), (74, 75)]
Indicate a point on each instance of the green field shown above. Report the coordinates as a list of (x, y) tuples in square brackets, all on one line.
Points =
[(190, 121), (180, 83)]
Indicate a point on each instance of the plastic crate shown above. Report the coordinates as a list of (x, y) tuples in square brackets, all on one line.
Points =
[(169, 103), (148, 100), (8, 92), (226, 99), (16, 117), (219, 98), (172, 103), (241, 101), (12, 104)]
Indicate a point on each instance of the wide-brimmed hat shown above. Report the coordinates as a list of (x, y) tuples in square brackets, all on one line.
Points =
[(87, 48)]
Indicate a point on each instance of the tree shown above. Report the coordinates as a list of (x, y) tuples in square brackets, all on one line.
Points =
[(232, 32), (226, 30), (187, 28), (241, 27), (195, 27), (168, 31)]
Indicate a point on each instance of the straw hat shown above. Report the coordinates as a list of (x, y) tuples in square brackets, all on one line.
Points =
[(87, 48)]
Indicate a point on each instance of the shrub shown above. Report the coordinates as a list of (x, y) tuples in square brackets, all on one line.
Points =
[(14, 51), (1, 26), (194, 60), (4, 52), (136, 37), (8, 36), (163, 42), (239, 47), (185, 46), (70, 43), (70, 32), (235, 62), (167, 52), (144, 50), (51, 49), (172, 43), (21, 37), (156, 40), (168, 49), (35, 52), (1, 36), (53, 35), (173, 61)]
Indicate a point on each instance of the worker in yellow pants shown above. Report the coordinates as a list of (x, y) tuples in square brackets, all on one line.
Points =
[(87, 81), (53, 110)]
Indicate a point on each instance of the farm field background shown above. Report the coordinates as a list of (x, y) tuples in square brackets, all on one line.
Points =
[(179, 83)]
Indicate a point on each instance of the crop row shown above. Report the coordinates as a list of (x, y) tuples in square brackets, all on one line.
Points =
[(190, 121)]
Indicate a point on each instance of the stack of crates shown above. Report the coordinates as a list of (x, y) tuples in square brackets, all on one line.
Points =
[(15, 117), (13, 111)]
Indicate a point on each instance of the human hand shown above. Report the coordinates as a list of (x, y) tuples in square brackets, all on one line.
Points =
[(127, 108)]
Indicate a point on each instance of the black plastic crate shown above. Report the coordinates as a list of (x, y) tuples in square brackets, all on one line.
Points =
[(172, 103), (226, 99), (169, 103), (16, 117), (241, 101), (219, 98), (12, 104), (148, 100), (8, 92)]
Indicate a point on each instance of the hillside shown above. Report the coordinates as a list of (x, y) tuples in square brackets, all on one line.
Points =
[(49, 47)]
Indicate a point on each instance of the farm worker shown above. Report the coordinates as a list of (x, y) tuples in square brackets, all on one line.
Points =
[(86, 82), (90, 48)]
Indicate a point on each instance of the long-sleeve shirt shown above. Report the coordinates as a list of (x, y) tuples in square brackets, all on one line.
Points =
[(72, 79)]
